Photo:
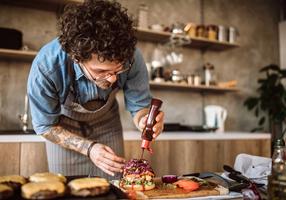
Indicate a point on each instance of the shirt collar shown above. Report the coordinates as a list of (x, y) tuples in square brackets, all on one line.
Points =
[(78, 71)]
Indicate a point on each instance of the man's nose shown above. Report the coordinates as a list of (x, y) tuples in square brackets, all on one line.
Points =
[(112, 78)]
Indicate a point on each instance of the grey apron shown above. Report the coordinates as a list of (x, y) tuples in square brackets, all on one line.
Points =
[(95, 120)]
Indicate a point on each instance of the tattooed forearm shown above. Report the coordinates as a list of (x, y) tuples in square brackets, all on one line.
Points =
[(66, 139)]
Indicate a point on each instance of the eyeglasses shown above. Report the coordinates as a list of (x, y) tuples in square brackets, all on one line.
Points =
[(104, 75)]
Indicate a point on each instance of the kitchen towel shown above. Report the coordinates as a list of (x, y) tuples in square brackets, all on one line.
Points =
[(254, 167)]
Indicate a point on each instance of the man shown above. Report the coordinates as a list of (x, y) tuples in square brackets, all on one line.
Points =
[(72, 86)]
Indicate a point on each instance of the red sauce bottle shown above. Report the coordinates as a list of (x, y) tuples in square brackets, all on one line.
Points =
[(147, 134)]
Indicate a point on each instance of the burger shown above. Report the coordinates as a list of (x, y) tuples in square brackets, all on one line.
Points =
[(5, 191), (89, 186), (14, 181), (137, 175), (43, 190)]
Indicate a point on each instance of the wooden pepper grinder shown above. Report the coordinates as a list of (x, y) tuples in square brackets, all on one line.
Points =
[(147, 133)]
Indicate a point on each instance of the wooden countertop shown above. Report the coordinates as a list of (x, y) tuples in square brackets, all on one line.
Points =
[(135, 135)]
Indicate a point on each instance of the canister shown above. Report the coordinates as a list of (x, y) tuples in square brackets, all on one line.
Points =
[(232, 35), (222, 34)]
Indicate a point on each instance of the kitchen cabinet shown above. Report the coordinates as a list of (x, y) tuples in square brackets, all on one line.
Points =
[(23, 158), (173, 153), (188, 156)]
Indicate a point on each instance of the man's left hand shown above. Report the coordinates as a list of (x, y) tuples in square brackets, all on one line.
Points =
[(158, 127)]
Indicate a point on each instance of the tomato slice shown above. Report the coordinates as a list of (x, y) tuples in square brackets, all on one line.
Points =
[(187, 185)]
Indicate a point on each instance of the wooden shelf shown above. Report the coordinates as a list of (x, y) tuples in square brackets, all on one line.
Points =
[(198, 43), (18, 54), (200, 88), (50, 5)]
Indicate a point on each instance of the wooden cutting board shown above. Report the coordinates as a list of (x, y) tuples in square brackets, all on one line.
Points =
[(163, 192)]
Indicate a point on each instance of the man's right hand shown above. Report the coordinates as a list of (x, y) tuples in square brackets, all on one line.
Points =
[(105, 159)]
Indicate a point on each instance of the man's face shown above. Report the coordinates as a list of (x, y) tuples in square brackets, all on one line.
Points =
[(103, 74)]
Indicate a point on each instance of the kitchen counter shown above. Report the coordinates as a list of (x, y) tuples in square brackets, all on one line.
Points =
[(135, 135), (174, 152)]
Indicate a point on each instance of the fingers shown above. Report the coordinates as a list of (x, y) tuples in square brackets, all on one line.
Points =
[(103, 167), (113, 157), (159, 126), (142, 122), (160, 117), (157, 130), (105, 158), (112, 166), (113, 160), (109, 149)]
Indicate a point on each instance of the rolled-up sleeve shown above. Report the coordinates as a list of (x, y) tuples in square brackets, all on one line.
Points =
[(43, 99), (136, 89)]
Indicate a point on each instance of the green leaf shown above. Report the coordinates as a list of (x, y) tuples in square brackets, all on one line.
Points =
[(261, 121), (251, 102), (270, 67), (261, 81), (283, 73)]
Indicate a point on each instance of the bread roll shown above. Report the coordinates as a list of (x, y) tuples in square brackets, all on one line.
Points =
[(43, 190), (47, 176), (14, 181), (88, 186)]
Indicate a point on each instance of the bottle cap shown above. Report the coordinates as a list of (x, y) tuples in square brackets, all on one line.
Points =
[(146, 145), (279, 143)]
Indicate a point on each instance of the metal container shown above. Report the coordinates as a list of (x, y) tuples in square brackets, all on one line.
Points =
[(177, 76), (232, 32), (222, 34)]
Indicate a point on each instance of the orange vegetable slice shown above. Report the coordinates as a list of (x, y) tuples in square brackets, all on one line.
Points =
[(187, 185)]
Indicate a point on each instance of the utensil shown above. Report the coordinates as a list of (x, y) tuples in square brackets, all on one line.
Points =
[(250, 185)]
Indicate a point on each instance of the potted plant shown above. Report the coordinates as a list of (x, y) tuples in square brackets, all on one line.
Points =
[(270, 103)]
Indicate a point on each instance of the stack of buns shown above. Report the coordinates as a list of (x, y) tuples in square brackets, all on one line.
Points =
[(51, 186)]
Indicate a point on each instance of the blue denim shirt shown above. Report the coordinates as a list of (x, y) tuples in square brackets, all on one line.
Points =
[(49, 84)]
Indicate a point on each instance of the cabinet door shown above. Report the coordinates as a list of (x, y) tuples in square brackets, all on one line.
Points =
[(186, 156), (9, 158), (33, 158)]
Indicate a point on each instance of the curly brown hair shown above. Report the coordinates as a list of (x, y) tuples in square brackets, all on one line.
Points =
[(97, 27)]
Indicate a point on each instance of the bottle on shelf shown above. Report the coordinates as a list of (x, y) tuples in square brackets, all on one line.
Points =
[(143, 12), (277, 179)]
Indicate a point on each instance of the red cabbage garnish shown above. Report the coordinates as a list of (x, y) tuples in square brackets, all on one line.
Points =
[(169, 178), (137, 166)]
